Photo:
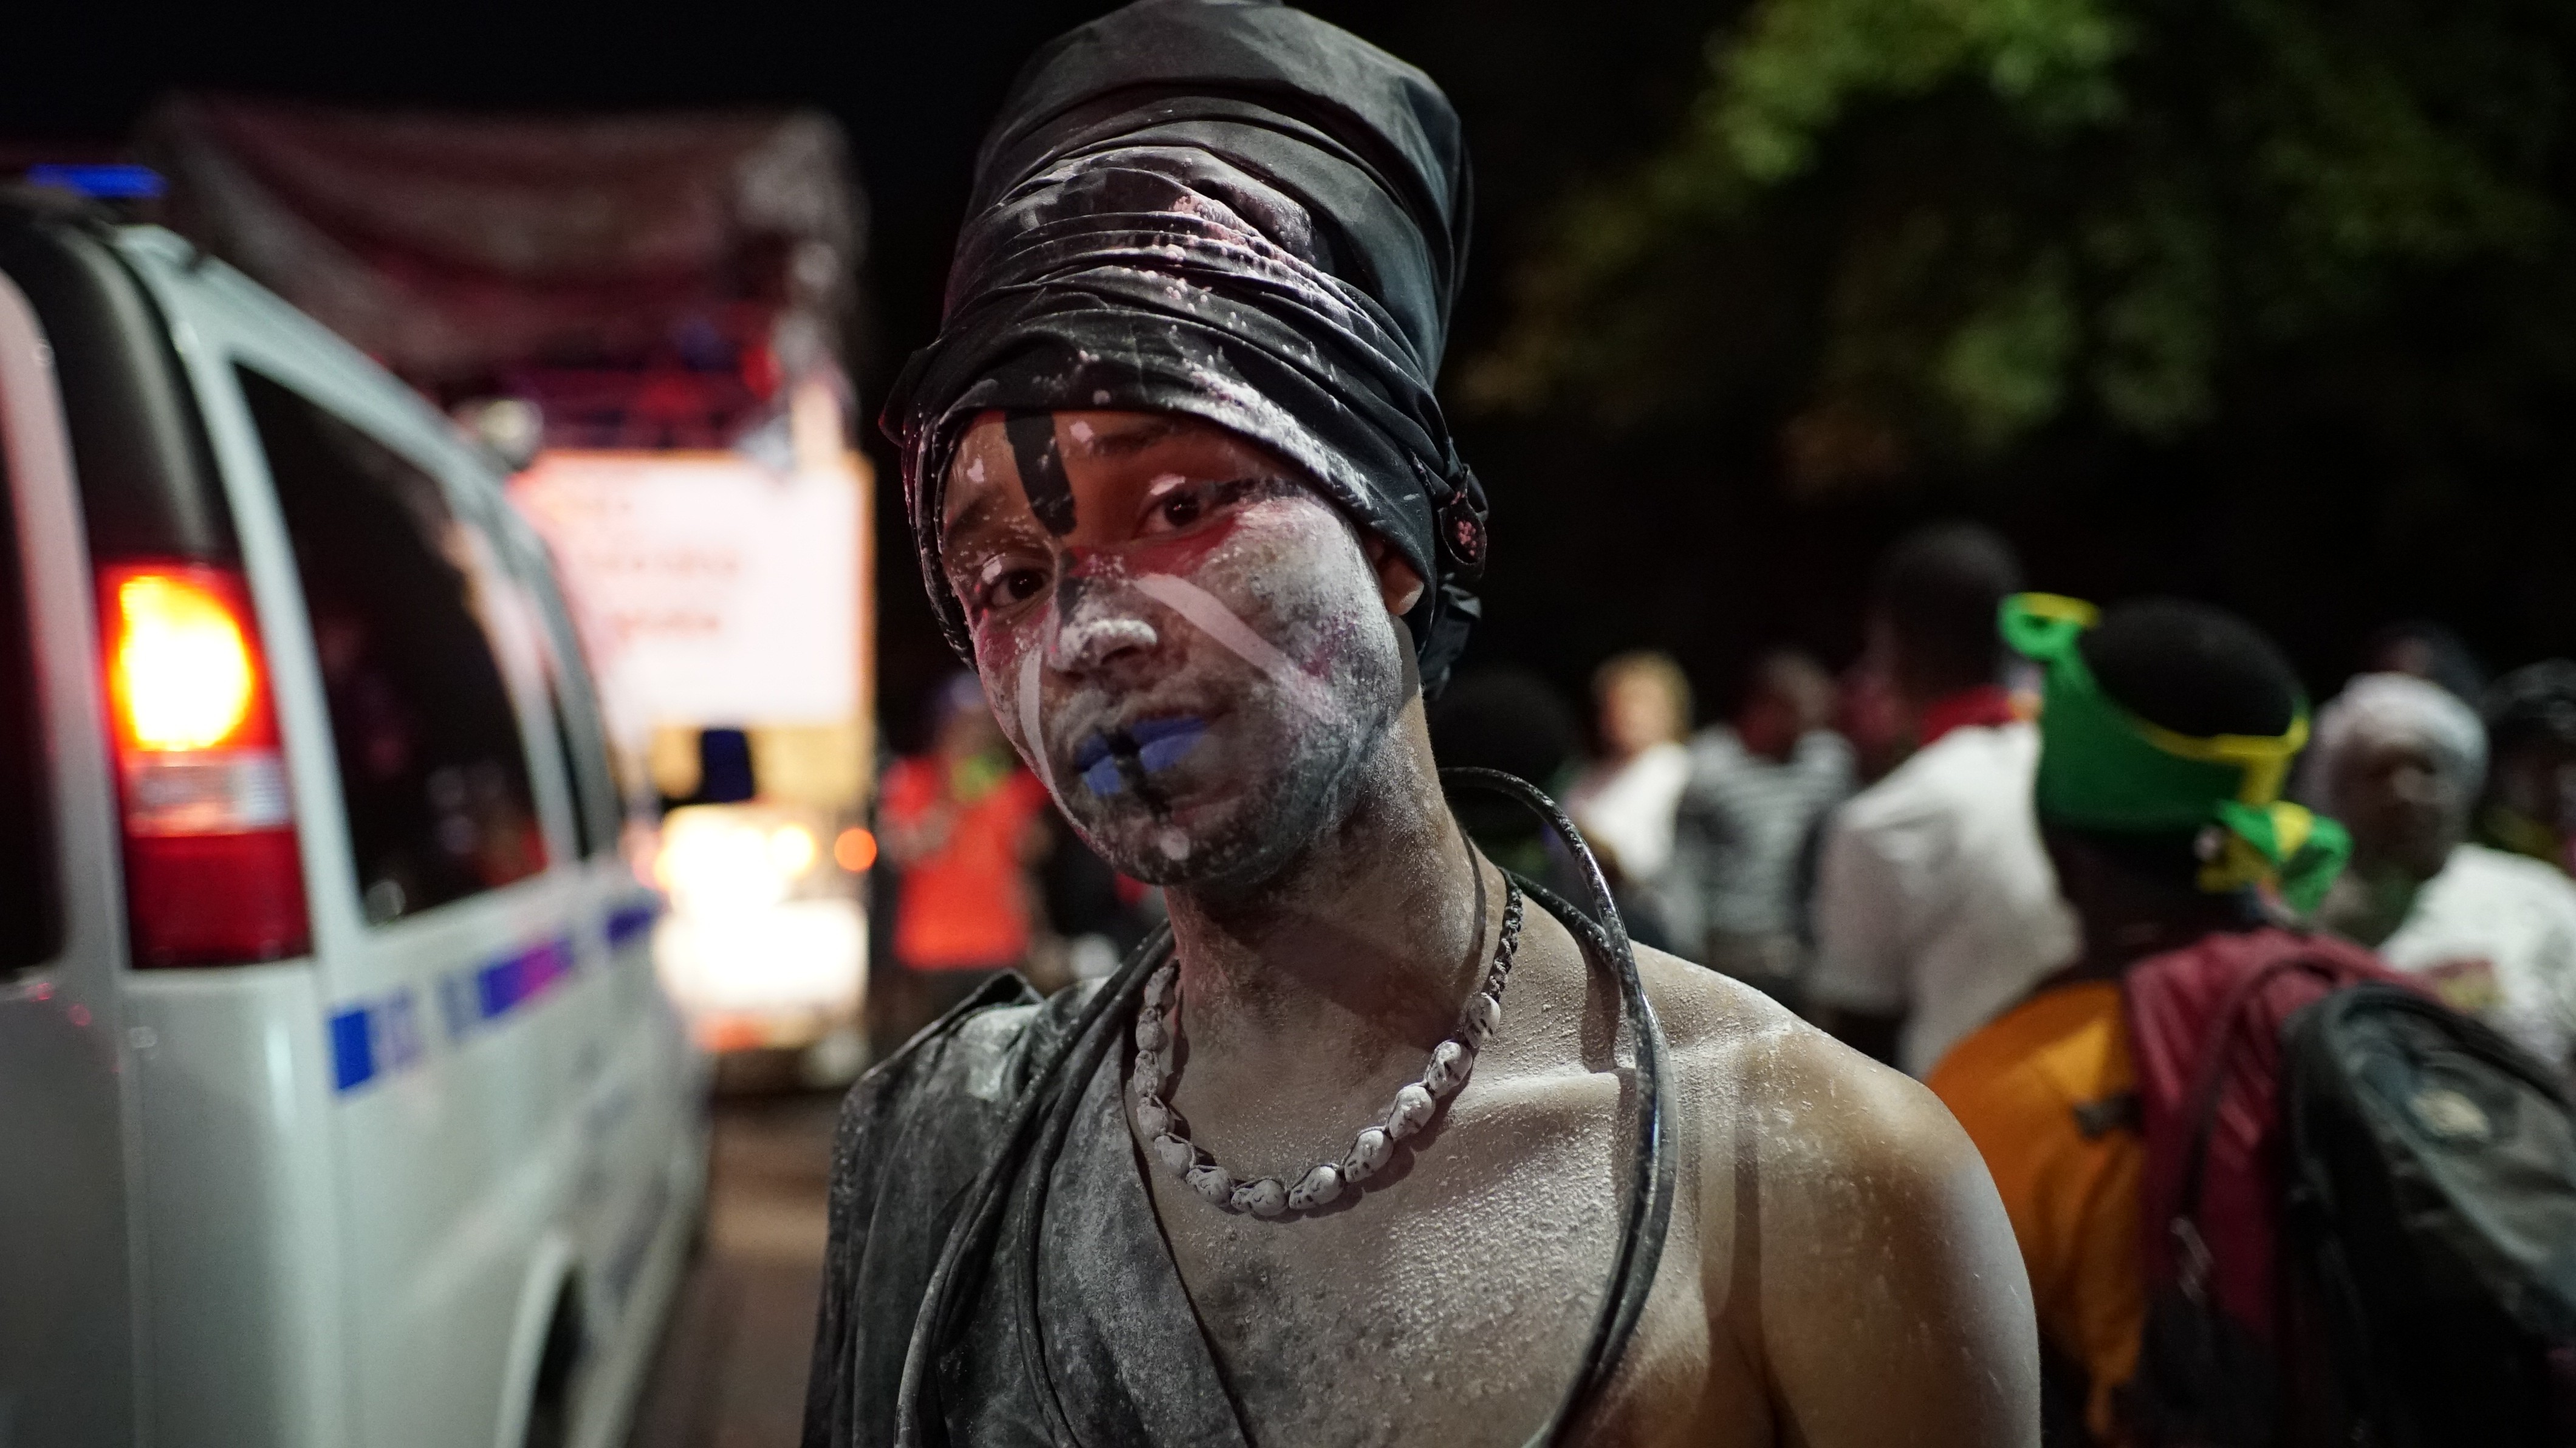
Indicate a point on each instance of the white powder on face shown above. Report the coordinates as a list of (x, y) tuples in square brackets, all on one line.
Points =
[(1081, 431), (975, 470), (1222, 624), (1294, 601)]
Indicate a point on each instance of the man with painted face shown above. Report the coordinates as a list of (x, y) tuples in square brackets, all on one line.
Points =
[(1374, 1145)]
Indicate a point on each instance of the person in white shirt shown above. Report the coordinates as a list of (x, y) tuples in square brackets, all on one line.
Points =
[(1624, 802), (1935, 906), (2399, 761), (1758, 785)]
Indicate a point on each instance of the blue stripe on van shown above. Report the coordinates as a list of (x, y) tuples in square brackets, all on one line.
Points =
[(505, 985), (473, 999), (353, 1056), (628, 921), (373, 1038)]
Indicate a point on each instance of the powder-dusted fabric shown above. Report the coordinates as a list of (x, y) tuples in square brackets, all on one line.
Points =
[(1934, 898), (2494, 935), (1742, 820), (1231, 210), (1123, 1345), (2043, 1091)]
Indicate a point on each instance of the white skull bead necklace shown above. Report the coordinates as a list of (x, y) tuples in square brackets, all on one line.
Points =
[(1416, 1102)]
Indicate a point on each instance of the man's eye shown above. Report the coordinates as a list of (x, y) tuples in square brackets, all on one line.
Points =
[(1013, 585), (1182, 509), (1189, 504)]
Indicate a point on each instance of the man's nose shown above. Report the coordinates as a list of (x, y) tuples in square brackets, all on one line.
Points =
[(1089, 645), (1101, 625), (2418, 786)]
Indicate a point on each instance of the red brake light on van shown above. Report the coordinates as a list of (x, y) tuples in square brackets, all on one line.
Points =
[(213, 875)]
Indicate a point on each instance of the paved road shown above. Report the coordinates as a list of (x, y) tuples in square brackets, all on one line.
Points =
[(731, 1369)]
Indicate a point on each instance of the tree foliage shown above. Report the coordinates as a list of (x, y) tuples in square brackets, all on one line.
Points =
[(1916, 237)]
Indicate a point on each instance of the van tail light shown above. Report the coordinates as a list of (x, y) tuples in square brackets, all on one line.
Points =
[(212, 873)]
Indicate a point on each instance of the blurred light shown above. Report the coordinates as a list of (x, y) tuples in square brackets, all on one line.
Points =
[(791, 850), (715, 863), (855, 850), (107, 182), (184, 676), (783, 976), (512, 427), (758, 949)]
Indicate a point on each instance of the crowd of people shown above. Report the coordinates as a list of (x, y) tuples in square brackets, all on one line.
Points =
[(2067, 821), (1864, 849)]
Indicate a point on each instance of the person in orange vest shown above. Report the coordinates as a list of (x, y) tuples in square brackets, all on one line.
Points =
[(963, 823)]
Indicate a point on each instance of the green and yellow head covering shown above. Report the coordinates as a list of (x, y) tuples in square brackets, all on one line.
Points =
[(2104, 769)]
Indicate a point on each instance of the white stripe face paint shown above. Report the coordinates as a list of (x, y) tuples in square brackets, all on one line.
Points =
[(1220, 623), (1032, 730)]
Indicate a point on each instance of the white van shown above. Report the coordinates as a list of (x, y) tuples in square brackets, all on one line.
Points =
[(339, 1107)]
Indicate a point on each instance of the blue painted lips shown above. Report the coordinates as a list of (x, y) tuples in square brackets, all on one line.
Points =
[(1160, 743), (1154, 744)]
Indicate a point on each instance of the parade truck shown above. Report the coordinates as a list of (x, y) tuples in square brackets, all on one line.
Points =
[(644, 318)]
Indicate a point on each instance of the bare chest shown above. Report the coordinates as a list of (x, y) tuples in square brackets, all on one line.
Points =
[(1452, 1303)]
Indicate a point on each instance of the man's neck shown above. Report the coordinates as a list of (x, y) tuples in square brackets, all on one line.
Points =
[(2372, 900), (2121, 935), (1622, 758), (1968, 706), (1365, 945), (1769, 746)]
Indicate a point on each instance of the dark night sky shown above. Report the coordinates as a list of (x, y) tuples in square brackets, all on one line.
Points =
[(1546, 91), (1602, 543)]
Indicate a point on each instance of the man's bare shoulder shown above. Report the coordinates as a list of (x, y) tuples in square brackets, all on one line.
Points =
[(1870, 1216), (1844, 1148)]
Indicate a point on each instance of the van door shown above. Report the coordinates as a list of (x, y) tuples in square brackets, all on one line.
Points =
[(459, 949), (67, 1335), (647, 1114)]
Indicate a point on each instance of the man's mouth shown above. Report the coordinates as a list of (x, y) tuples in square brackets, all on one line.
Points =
[(1128, 757)]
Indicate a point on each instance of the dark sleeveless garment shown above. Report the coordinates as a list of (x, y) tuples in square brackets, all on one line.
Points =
[(1122, 1343)]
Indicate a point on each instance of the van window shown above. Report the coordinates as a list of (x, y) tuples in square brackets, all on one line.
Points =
[(30, 923), (433, 771), (585, 820), (576, 703)]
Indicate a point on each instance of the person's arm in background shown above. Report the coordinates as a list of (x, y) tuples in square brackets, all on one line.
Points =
[(2554, 1031), (1860, 988)]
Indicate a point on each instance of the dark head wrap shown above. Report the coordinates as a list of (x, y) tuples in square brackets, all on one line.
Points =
[(1229, 209)]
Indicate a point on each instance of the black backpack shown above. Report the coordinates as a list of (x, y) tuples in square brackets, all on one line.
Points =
[(2430, 1228)]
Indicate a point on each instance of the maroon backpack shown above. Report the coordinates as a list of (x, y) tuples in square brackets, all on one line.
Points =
[(2205, 1028)]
